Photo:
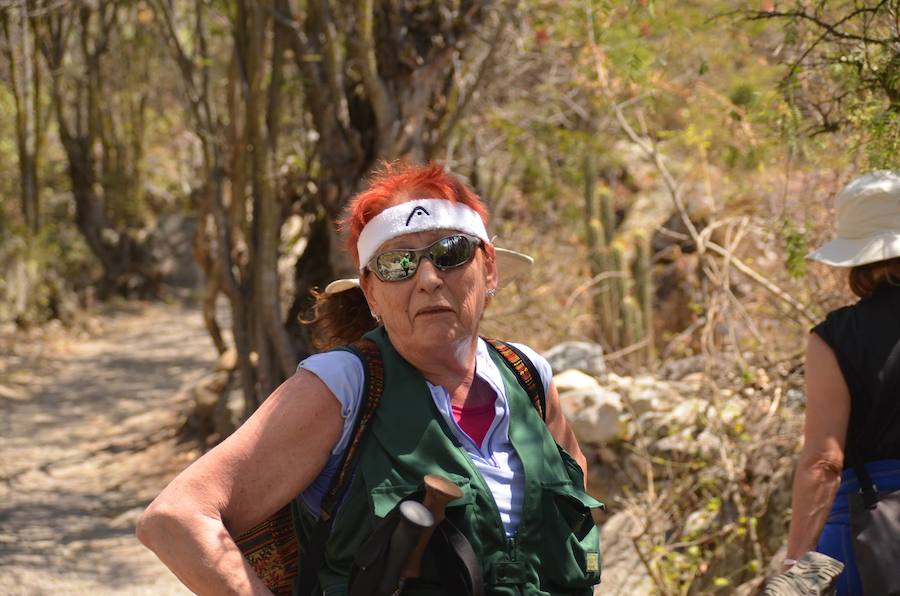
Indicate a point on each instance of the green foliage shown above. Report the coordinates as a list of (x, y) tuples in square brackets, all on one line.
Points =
[(42, 277), (744, 95), (9, 173), (796, 249), (844, 75), (882, 148)]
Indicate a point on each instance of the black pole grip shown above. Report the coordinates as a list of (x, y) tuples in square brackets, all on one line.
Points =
[(414, 519)]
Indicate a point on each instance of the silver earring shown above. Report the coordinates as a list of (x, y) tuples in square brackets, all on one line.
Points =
[(376, 316), (491, 292)]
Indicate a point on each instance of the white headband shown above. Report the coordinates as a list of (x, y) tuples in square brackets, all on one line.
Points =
[(418, 215)]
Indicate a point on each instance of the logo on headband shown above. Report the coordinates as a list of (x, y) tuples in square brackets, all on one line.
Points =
[(418, 210)]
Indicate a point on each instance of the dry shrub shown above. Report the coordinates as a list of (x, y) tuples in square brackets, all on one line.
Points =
[(545, 307), (713, 496), (714, 514)]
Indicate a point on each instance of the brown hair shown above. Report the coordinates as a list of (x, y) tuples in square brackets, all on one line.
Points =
[(866, 279), (339, 319)]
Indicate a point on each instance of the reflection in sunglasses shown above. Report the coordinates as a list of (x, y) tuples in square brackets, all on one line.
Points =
[(446, 253)]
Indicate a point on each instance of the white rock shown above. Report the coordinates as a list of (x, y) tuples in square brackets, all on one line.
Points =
[(575, 381), (687, 413), (581, 355), (596, 414), (681, 442), (623, 570), (14, 393), (687, 442)]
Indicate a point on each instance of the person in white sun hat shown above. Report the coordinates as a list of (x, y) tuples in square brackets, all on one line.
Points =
[(483, 415), (850, 419)]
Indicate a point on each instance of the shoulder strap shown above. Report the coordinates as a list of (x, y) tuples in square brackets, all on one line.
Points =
[(370, 356), (890, 380), (526, 373), (373, 388)]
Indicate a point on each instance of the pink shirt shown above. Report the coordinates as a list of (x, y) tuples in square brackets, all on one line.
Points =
[(476, 421)]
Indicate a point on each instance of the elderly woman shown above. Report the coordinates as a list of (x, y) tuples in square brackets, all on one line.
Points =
[(451, 406), (847, 421)]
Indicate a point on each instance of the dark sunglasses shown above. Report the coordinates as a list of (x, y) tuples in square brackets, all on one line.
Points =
[(446, 253)]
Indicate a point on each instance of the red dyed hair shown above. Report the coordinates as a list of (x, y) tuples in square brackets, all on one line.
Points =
[(397, 183)]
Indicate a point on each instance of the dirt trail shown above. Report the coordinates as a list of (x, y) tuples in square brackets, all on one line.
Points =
[(87, 438)]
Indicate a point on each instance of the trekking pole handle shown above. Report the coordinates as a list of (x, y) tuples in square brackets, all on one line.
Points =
[(438, 492), (414, 519)]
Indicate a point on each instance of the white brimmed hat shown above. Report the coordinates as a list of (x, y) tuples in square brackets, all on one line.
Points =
[(510, 265), (868, 222)]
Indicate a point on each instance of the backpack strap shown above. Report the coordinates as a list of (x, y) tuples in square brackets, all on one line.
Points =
[(373, 366), (313, 558), (526, 373), (888, 386)]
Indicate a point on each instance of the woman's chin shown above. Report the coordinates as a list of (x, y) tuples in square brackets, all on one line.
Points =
[(439, 331)]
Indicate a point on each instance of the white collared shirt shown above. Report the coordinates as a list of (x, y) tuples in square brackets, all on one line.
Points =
[(495, 458)]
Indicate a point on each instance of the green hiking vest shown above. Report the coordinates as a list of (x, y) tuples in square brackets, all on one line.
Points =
[(556, 548)]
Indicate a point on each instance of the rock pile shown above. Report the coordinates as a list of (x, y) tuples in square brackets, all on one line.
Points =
[(679, 462)]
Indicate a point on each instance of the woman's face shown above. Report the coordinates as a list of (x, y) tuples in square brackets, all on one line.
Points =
[(433, 308)]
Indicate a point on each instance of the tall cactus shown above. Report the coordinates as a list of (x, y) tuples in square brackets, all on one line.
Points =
[(632, 328), (643, 278), (595, 236), (617, 288), (622, 299)]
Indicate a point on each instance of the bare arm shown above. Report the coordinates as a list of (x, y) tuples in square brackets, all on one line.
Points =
[(818, 472), (561, 431), (271, 458)]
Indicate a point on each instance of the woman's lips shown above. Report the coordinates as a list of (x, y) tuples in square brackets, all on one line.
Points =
[(434, 310)]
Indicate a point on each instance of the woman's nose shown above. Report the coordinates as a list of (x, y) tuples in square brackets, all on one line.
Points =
[(428, 277)]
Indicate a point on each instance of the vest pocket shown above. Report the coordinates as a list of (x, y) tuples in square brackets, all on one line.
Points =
[(573, 552), (385, 498)]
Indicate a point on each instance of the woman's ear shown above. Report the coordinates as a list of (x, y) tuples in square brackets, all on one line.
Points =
[(492, 277)]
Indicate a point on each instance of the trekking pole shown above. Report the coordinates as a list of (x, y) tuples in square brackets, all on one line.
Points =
[(438, 492), (415, 519)]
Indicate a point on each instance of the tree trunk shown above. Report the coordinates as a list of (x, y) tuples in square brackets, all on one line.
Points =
[(360, 110), (276, 360), (24, 81), (313, 270)]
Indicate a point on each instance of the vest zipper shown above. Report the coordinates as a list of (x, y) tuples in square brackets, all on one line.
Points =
[(477, 473), (511, 546)]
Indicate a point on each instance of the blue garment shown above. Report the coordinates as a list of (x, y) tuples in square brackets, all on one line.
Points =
[(835, 540)]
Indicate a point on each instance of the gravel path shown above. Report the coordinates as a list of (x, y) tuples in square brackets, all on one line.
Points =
[(88, 436)]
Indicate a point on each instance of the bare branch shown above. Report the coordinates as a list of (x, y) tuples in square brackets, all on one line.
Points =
[(652, 151), (464, 95), (831, 29), (760, 279), (375, 89), (333, 67)]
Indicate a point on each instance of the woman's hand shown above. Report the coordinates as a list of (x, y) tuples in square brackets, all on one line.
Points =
[(818, 472), (267, 462)]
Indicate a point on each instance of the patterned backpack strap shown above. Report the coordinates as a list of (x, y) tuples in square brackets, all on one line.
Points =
[(526, 373), (373, 366), (313, 557), (271, 548)]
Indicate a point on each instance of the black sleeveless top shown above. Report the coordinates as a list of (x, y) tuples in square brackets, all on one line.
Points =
[(862, 336)]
